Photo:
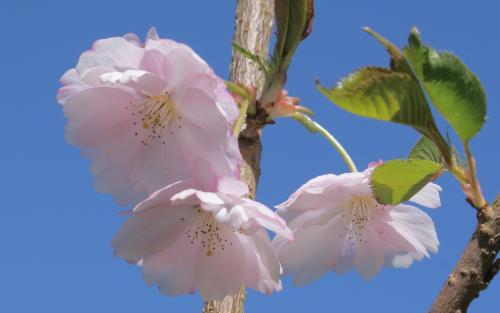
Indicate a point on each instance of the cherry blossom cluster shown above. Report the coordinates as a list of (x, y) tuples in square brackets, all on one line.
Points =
[(157, 124)]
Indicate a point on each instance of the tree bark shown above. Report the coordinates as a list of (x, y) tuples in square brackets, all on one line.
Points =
[(477, 265), (253, 28)]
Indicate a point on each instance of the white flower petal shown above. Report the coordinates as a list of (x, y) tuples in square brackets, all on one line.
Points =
[(115, 53), (369, 256), (417, 227), (314, 251), (428, 196), (144, 81)]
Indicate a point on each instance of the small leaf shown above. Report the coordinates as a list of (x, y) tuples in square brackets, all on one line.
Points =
[(263, 64), (293, 24), (455, 91), (426, 150), (382, 94), (397, 181), (398, 60)]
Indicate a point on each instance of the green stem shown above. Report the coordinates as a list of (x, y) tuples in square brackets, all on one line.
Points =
[(478, 198), (237, 89), (458, 173), (314, 127), (238, 125)]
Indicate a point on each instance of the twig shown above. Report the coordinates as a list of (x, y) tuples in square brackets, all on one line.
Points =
[(254, 20), (477, 265)]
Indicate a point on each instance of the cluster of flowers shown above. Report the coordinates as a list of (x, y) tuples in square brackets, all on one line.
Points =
[(156, 121)]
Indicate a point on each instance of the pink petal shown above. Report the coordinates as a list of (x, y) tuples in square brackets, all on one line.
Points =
[(158, 164), (229, 185), (262, 267), (223, 267), (162, 197), (202, 143), (173, 268), (151, 231), (264, 217), (93, 111), (327, 191), (163, 46), (314, 251), (313, 217), (179, 59), (72, 85), (116, 53), (133, 39), (214, 92), (152, 34)]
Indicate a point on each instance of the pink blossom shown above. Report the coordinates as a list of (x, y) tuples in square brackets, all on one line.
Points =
[(145, 112), (188, 239), (338, 224)]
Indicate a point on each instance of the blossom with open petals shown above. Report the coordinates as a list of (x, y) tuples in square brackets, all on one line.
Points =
[(187, 239), (338, 224), (145, 112)]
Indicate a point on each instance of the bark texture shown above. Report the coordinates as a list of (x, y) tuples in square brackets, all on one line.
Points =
[(477, 265), (253, 28)]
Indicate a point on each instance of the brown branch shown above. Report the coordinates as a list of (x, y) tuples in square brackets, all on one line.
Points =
[(477, 265), (254, 19)]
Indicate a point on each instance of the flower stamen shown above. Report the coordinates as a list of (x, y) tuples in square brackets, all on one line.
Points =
[(356, 214), (208, 233), (157, 117)]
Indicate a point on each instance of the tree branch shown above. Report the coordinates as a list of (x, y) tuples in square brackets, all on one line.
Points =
[(477, 265), (254, 19)]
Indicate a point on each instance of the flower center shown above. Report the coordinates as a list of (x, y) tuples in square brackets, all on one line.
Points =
[(208, 233), (155, 118), (357, 213)]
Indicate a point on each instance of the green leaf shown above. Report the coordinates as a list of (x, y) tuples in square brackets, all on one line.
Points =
[(455, 91), (397, 181), (383, 94), (263, 64), (398, 60), (293, 24), (393, 94), (426, 150)]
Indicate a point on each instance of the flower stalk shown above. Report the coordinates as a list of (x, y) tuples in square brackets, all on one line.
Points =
[(243, 105), (314, 127)]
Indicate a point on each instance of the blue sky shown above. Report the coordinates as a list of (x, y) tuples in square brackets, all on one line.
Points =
[(55, 230)]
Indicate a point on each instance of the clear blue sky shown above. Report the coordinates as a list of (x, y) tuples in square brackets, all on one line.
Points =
[(55, 230)]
